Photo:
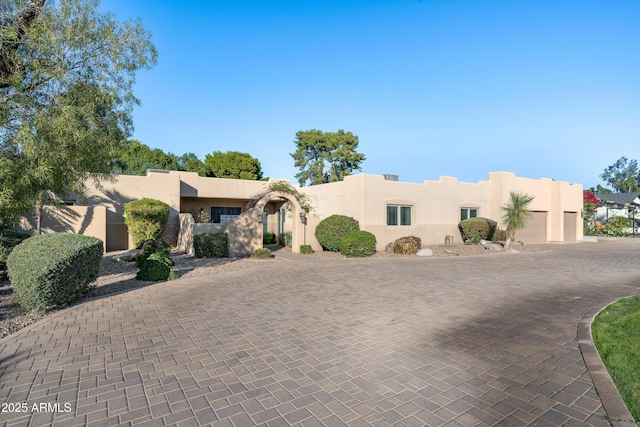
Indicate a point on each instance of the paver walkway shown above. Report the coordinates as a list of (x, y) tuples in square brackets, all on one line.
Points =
[(487, 340)]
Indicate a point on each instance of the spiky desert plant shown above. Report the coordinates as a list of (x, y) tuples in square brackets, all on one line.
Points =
[(515, 214)]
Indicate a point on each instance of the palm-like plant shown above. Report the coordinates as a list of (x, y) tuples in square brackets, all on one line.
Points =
[(515, 214)]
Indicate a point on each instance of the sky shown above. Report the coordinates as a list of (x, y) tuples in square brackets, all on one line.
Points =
[(545, 88)]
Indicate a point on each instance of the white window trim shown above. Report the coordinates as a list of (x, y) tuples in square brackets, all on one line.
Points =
[(398, 214)]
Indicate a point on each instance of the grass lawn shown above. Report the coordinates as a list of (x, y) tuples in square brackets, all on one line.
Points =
[(616, 333)]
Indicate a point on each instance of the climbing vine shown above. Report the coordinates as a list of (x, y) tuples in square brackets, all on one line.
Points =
[(285, 188)]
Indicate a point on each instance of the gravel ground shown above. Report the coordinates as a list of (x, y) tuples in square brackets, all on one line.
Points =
[(116, 276)]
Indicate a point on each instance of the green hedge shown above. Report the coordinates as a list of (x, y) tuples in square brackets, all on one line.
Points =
[(211, 245), (151, 247), (306, 249), (261, 253), (15, 234), (476, 229), (7, 242), (54, 270), (268, 238), (156, 266), (358, 244), (331, 229), (145, 219)]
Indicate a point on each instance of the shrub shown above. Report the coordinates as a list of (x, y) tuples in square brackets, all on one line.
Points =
[(330, 230), (211, 245), (618, 226), (358, 244), (145, 219), (269, 238), (6, 246), (306, 249), (156, 267), (285, 239), (409, 245), (15, 234), (54, 270), (262, 253), (150, 247), (476, 229), (500, 235)]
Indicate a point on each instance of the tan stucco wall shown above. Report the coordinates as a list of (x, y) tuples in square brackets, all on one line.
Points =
[(436, 204), (126, 188), (88, 220)]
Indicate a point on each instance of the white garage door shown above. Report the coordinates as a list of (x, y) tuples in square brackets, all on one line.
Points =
[(536, 229)]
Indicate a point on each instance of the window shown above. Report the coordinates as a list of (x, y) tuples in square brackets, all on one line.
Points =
[(466, 213), (398, 215), (221, 214)]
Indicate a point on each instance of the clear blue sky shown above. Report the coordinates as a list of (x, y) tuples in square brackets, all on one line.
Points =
[(457, 88)]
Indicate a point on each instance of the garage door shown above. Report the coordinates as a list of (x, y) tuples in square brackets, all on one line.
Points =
[(570, 226), (536, 229)]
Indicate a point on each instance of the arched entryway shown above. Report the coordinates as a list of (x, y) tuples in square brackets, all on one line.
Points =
[(298, 225)]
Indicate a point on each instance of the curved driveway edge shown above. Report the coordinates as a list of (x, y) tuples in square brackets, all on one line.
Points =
[(616, 410), (475, 341)]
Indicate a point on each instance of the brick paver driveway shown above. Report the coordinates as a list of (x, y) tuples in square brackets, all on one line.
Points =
[(487, 340)]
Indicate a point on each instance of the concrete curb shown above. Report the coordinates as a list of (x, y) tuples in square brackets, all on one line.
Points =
[(614, 406)]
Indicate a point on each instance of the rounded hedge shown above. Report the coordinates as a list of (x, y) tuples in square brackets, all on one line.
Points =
[(156, 267), (145, 219), (54, 270), (330, 230), (153, 247), (476, 229), (358, 244)]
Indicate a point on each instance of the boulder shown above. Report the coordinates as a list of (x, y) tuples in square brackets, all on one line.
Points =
[(425, 252)]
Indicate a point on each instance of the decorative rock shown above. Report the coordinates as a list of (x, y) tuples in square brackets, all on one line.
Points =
[(425, 252), (128, 256)]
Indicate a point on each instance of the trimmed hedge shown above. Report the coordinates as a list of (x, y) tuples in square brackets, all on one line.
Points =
[(358, 244), (476, 229), (151, 247), (15, 234), (331, 229), (54, 270), (268, 238), (261, 253), (211, 245), (306, 249), (156, 267), (145, 219), (7, 243)]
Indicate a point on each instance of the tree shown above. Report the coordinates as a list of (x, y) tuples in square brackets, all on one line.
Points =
[(191, 163), (135, 158), (599, 189), (515, 214), (623, 176), (233, 164), (66, 78), (325, 156)]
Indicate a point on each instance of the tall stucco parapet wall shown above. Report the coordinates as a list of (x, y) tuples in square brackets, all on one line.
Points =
[(436, 205)]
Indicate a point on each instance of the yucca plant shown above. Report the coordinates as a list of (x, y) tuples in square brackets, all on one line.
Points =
[(515, 214)]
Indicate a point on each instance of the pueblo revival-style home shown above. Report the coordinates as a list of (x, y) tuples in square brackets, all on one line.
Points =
[(382, 204)]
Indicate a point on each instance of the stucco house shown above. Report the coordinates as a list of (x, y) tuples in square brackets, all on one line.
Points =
[(382, 204)]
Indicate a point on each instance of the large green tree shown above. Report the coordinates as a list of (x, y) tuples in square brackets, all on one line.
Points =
[(66, 77), (233, 164), (135, 158), (623, 176), (325, 156), (191, 163)]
